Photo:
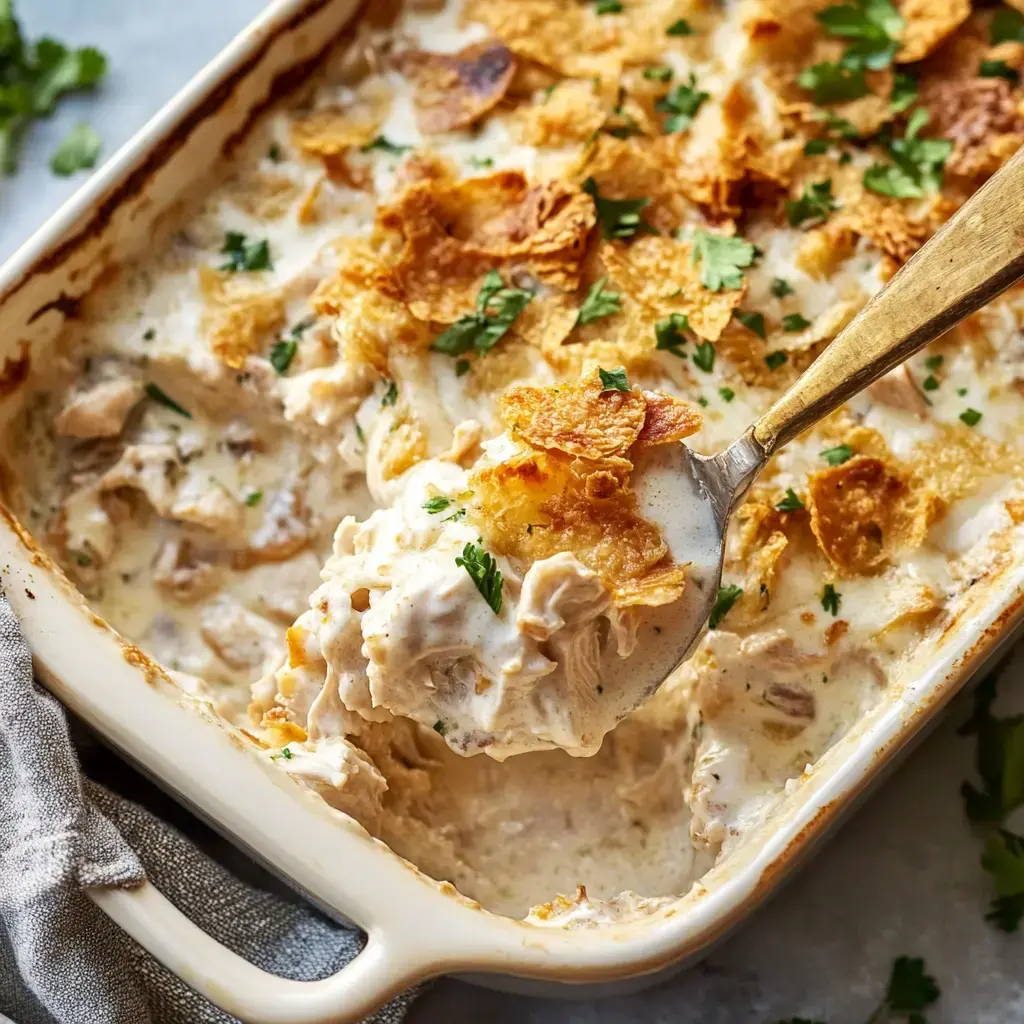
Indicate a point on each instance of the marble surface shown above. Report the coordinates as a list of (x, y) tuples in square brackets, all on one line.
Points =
[(902, 877)]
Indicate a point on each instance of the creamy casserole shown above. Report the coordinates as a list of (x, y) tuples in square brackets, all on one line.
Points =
[(290, 455)]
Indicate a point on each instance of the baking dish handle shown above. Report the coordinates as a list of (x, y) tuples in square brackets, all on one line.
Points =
[(244, 990)]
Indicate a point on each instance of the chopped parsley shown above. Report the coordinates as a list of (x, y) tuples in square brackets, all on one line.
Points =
[(776, 359), (157, 394), (390, 395), (837, 455), (462, 367), (383, 145), (274, 153), (1007, 27), (78, 151), (792, 322), (722, 259), (681, 104), (911, 991), (791, 502), (679, 27), (436, 504), (668, 333), (439, 727), (930, 383), (659, 73), (481, 163), (282, 352), (904, 91), (934, 363), (726, 394), (752, 321), (704, 357), (917, 165), (998, 69), (149, 334), (816, 147), (598, 303), (613, 380), (245, 255), (703, 402), (33, 77), (831, 599), (253, 498), (832, 83), (727, 597), (874, 26), (360, 436), (608, 7), (781, 288), (617, 218), (971, 417), (284, 753), (456, 517), (484, 572), (497, 307), (962, 392), (815, 204)]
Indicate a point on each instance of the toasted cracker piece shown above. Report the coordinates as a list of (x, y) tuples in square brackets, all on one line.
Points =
[(332, 131), (928, 24), (455, 90), (866, 510), (238, 316), (571, 113), (536, 505), (660, 275), (452, 233), (667, 419)]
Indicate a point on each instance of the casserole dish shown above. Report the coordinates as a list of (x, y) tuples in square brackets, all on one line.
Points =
[(416, 927)]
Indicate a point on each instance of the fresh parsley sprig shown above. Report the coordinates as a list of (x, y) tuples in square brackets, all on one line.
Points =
[(727, 597), (484, 572), (669, 336), (917, 164), (617, 218), (814, 205), (722, 259), (681, 104), (874, 28), (497, 307), (598, 303), (613, 380), (245, 255)]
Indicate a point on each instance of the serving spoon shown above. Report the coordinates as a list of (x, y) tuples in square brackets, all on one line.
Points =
[(975, 256)]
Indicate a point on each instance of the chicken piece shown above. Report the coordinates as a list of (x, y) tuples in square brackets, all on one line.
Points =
[(240, 638), (280, 590), (182, 575), (898, 390), (100, 411), (284, 531)]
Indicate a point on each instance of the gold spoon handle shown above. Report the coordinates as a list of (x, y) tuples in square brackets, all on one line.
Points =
[(975, 256)]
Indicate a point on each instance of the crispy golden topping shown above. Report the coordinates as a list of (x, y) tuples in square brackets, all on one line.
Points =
[(569, 114), (238, 316), (928, 24)]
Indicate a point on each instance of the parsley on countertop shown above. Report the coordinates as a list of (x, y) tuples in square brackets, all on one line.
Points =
[(78, 151)]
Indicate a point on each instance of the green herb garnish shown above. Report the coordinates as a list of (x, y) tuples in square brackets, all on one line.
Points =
[(815, 204), (439, 728), (837, 455), (704, 357), (816, 147), (726, 394), (930, 383), (659, 73), (436, 504), (608, 7), (934, 363), (792, 322), (669, 336), (484, 572), (253, 498), (462, 367), (832, 83), (752, 321), (831, 599), (781, 288), (776, 359), (617, 218), (157, 394), (245, 255), (791, 502), (598, 303), (971, 417), (1007, 27), (998, 69), (722, 259), (390, 396), (904, 91), (282, 352), (78, 151), (383, 145), (681, 104), (679, 27), (727, 597), (613, 380), (917, 165), (874, 26), (481, 163), (497, 307)]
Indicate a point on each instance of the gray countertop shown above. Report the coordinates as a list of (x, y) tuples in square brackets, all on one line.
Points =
[(903, 875)]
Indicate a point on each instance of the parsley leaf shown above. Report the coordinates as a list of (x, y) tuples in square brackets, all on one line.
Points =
[(613, 380), (930, 383), (481, 163), (934, 363), (608, 7), (668, 333), (917, 163), (253, 498), (830, 599), (726, 394), (160, 396), (874, 26), (752, 321), (484, 572), (910, 990), (794, 322), (497, 307), (1003, 859), (815, 204), (383, 145), (436, 504), (658, 73), (617, 218), (815, 147), (245, 255), (704, 357), (598, 303), (904, 91), (727, 597), (390, 396), (791, 502), (681, 104), (282, 352), (1007, 27), (971, 417), (680, 27), (722, 259), (838, 455), (78, 151), (832, 83), (462, 367), (998, 69), (776, 359), (781, 288)]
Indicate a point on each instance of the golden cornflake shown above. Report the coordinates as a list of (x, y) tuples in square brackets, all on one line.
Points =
[(238, 317)]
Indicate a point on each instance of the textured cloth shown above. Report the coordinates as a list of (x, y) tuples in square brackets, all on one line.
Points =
[(61, 959)]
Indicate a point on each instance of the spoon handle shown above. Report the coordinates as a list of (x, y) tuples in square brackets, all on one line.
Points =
[(975, 256)]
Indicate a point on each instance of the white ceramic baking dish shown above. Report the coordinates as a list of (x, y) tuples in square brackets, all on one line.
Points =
[(416, 928)]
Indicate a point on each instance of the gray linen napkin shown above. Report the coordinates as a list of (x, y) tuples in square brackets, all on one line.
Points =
[(61, 959)]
